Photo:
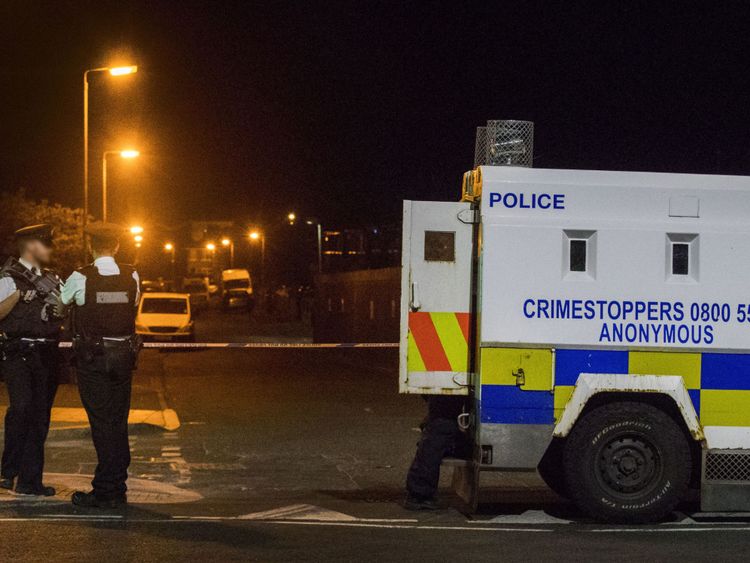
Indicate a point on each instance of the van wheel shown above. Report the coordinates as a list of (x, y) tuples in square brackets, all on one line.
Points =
[(627, 462)]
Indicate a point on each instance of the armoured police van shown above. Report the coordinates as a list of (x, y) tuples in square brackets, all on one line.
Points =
[(600, 321)]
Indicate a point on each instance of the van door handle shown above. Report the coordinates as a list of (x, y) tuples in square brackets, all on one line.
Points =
[(414, 303)]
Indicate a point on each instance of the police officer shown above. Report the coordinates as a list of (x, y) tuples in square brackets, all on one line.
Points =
[(29, 358), (105, 295), (441, 437)]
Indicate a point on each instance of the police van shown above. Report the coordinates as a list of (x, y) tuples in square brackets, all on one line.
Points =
[(600, 322)]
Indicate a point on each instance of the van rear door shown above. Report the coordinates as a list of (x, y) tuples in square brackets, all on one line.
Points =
[(436, 289)]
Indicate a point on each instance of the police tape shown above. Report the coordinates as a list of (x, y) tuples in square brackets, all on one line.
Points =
[(252, 345)]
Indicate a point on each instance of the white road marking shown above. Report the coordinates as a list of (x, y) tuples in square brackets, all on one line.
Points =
[(534, 517), (307, 512), (83, 516)]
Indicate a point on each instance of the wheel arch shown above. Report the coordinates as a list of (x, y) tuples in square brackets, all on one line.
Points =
[(667, 393)]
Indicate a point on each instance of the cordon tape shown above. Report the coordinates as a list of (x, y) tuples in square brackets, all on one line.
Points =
[(211, 345)]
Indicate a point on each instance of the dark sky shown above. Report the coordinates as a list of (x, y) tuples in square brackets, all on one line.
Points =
[(342, 109)]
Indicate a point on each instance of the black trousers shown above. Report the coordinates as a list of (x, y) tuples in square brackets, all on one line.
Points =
[(441, 437), (105, 382), (31, 378)]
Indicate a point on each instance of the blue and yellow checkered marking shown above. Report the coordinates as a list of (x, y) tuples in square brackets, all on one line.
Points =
[(718, 384)]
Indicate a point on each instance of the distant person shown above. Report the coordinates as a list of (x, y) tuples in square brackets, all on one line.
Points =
[(29, 357), (105, 295), (441, 438)]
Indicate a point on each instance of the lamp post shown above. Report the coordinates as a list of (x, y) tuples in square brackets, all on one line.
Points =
[(113, 71), (260, 236), (292, 217), (137, 232), (319, 233), (211, 247), (129, 153), (225, 242), (169, 247)]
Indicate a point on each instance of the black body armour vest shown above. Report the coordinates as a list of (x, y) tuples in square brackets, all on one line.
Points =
[(109, 308), (25, 319)]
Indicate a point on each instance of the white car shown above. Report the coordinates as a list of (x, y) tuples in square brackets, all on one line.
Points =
[(165, 316)]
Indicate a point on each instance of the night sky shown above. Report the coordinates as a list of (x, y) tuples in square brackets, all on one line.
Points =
[(340, 110)]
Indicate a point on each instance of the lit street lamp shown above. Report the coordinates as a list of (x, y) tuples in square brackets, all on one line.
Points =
[(225, 242), (127, 154), (137, 232), (259, 236), (169, 247), (113, 71), (211, 247)]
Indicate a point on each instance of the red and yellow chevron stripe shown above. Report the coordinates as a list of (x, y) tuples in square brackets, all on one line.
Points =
[(438, 342)]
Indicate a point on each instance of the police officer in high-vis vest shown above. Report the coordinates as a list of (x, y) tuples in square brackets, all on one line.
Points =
[(30, 334), (105, 295)]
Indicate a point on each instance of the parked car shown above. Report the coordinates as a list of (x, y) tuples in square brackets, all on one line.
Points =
[(165, 316), (199, 291), (236, 289)]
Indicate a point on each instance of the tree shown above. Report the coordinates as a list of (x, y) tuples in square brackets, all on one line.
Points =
[(18, 211)]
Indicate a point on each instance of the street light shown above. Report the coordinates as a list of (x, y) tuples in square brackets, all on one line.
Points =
[(122, 70), (225, 242), (211, 246), (256, 236), (169, 247), (319, 233), (292, 218), (126, 154), (136, 230), (113, 71)]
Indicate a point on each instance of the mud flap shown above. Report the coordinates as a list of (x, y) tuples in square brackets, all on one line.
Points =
[(465, 484)]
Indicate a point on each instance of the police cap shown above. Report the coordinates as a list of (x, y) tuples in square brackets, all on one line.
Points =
[(110, 231), (42, 232)]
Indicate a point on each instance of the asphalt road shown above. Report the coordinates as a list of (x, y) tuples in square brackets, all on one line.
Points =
[(300, 455)]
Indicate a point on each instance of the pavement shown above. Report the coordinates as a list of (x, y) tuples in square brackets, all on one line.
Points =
[(300, 455)]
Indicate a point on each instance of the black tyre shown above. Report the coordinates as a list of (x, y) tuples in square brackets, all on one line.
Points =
[(627, 462)]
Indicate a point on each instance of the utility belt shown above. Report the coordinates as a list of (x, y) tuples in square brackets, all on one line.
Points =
[(13, 347), (123, 350)]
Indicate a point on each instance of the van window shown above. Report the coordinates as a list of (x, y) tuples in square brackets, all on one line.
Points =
[(439, 246), (237, 284), (578, 255), (680, 259)]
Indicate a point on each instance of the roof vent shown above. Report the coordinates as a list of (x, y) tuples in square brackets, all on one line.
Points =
[(505, 142)]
